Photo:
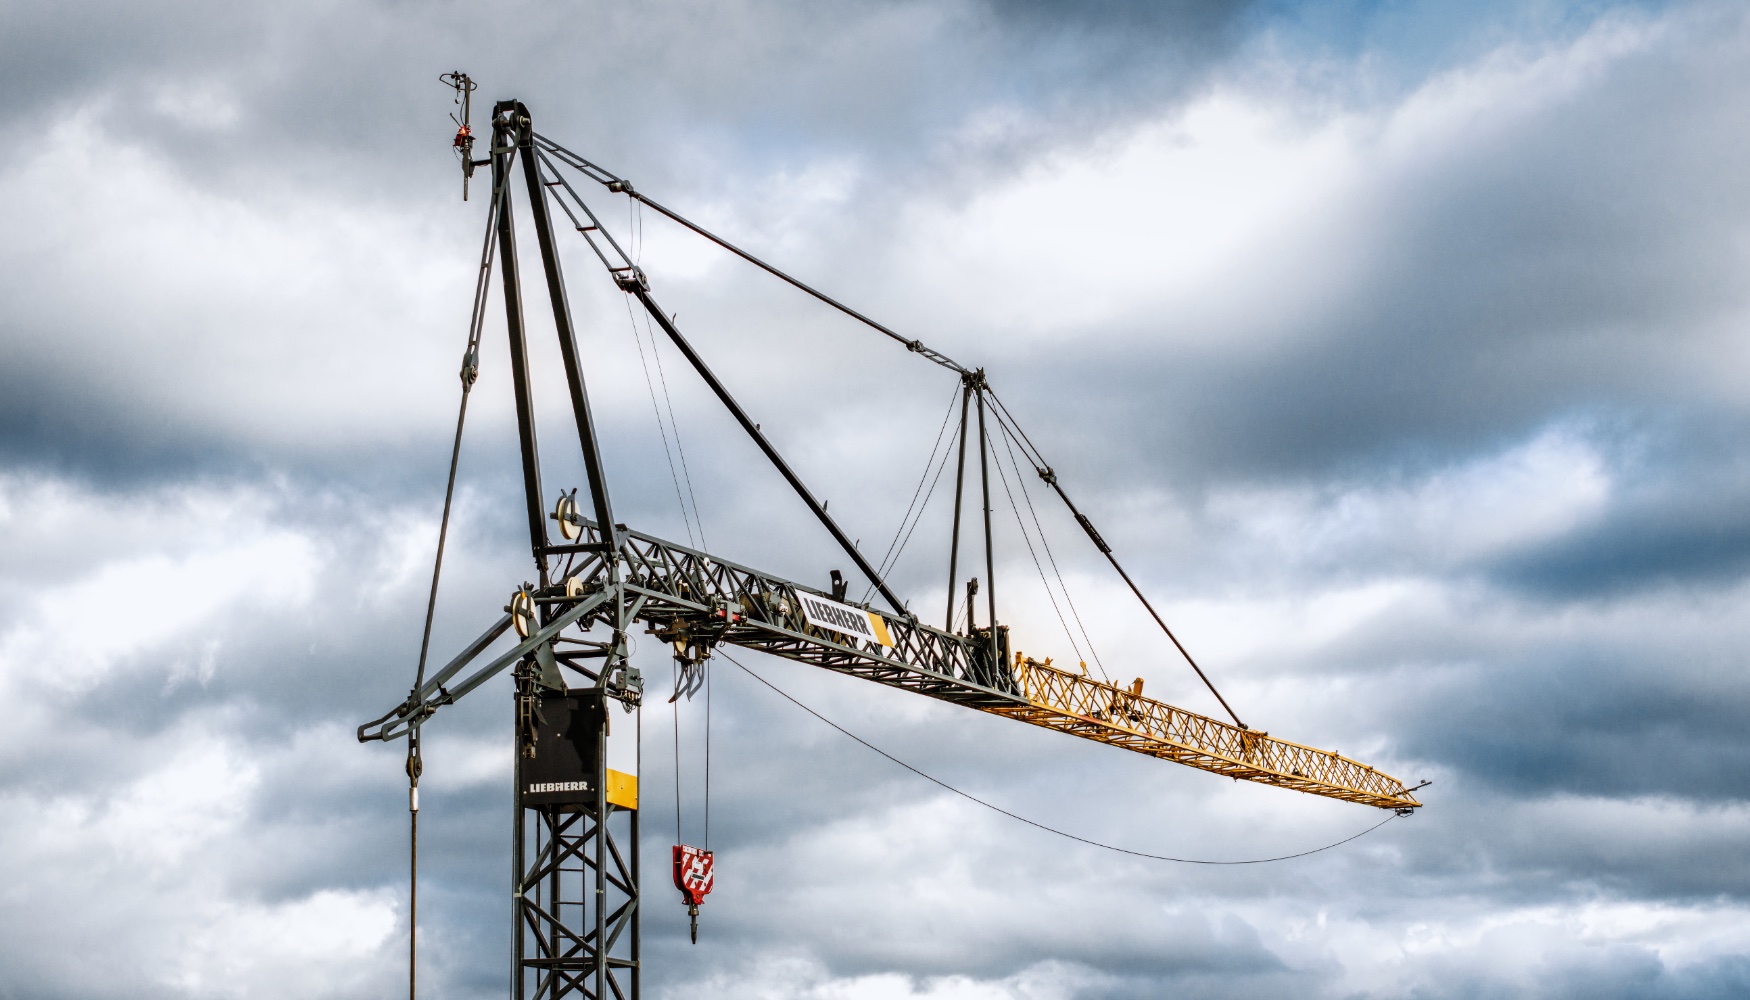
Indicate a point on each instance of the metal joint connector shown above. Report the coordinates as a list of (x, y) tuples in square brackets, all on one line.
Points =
[(620, 187)]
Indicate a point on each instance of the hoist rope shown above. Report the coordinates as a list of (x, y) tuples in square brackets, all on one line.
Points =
[(1008, 444), (1027, 538), (668, 401), (661, 427), (707, 758), (676, 703), (415, 764), (929, 463), (1050, 477), (941, 467), (1035, 823), (890, 556)]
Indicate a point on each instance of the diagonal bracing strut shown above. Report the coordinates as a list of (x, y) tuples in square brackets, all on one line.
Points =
[(631, 278)]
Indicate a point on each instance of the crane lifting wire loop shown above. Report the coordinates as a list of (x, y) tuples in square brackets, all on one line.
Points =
[(694, 867)]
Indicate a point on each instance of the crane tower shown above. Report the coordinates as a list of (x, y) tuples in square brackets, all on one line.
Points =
[(575, 885)]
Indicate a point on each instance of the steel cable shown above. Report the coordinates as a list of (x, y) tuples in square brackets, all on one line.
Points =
[(1025, 537), (1035, 823), (618, 184), (941, 467), (890, 556), (661, 428), (415, 764), (1050, 477), (1008, 444), (668, 401)]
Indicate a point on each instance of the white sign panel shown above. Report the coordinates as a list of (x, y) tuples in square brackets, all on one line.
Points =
[(853, 622)]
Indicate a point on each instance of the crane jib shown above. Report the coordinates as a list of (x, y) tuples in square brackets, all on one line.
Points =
[(682, 592)]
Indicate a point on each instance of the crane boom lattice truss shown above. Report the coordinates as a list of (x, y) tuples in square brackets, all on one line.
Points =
[(690, 597)]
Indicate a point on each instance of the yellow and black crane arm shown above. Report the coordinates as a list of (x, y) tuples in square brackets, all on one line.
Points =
[(697, 601)]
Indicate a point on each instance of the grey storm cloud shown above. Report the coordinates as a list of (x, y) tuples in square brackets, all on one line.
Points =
[(1435, 457)]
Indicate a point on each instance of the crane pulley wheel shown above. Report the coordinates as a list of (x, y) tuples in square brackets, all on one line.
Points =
[(522, 613), (565, 512)]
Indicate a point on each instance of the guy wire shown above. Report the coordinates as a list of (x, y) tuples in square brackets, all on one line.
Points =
[(1008, 444), (661, 428), (890, 554), (1025, 537), (668, 401), (415, 762), (1035, 823)]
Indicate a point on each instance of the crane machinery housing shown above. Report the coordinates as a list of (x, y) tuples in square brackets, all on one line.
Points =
[(575, 885)]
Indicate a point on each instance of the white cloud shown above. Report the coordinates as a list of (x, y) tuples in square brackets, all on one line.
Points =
[(1479, 508), (246, 846), (1144, 226), (186, 559)]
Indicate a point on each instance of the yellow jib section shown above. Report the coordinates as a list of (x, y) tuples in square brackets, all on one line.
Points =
[(1079, 705)]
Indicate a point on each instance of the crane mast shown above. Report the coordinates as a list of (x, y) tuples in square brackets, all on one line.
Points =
[(575, 886)]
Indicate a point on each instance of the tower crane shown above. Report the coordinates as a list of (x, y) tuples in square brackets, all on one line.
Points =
[(575, 887)]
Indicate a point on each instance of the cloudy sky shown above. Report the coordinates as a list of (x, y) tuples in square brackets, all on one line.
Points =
[(1399, 348)]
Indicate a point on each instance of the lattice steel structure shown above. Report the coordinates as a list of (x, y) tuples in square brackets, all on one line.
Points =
[(695, 599), (575, 882)]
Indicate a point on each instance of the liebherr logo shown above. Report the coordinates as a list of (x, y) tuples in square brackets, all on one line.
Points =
[(854, 622), (537, 787)]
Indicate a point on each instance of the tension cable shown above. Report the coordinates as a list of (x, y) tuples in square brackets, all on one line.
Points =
[(623, 186), (662, 429), (620, 185), (1034, 555), (415, 763), (1001, 412), (1044, 543), (1035, 823), (668, 401), (901, 536)]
